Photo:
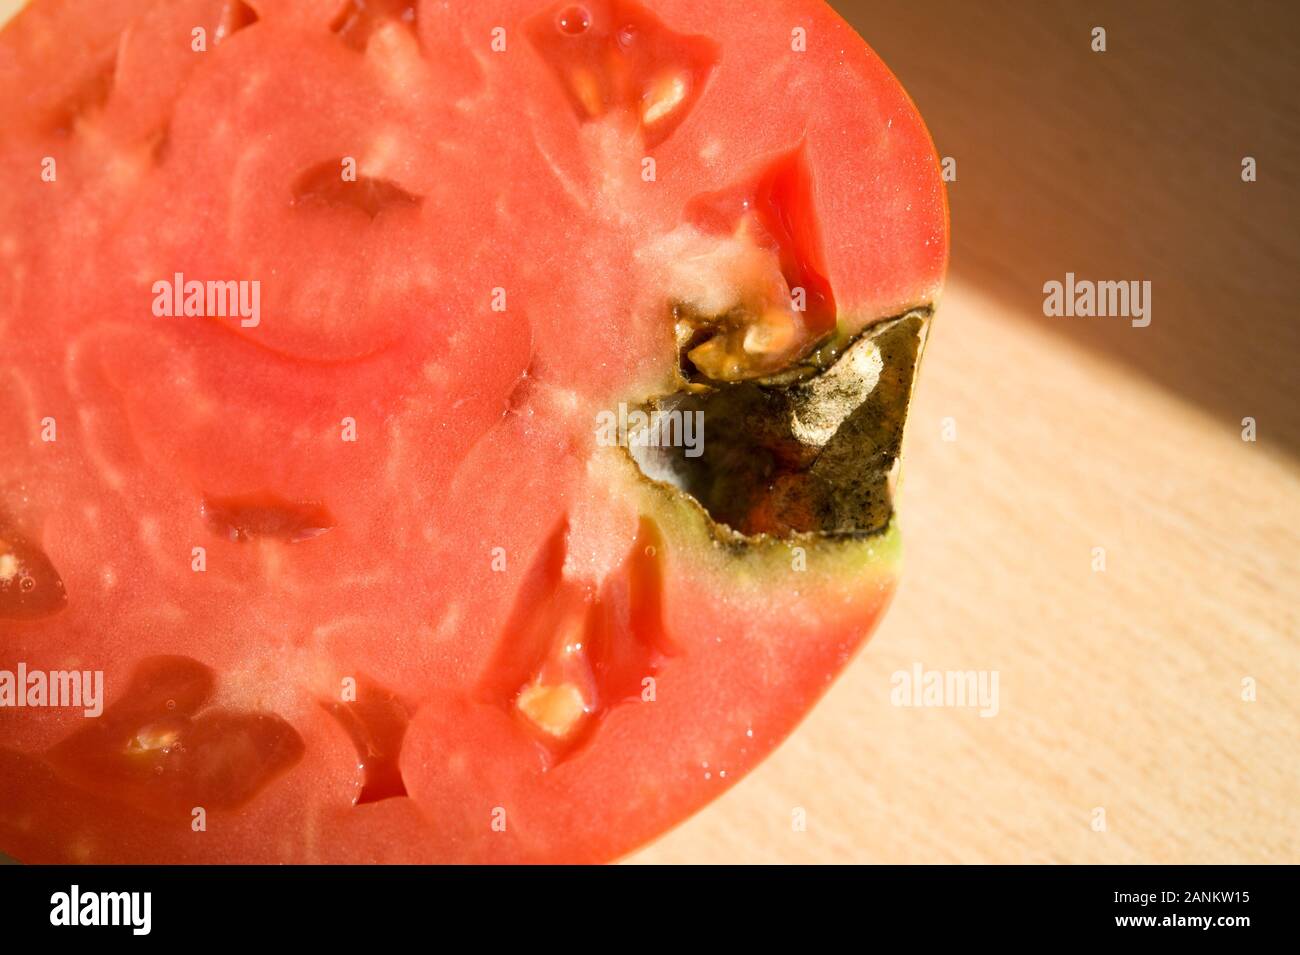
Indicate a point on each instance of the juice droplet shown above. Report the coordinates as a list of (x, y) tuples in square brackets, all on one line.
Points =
[(574, 20)]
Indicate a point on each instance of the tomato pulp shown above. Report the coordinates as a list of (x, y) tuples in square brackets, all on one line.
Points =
[(311, 315)]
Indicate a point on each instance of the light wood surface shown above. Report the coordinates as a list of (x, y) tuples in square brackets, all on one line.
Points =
[(1121, 689)]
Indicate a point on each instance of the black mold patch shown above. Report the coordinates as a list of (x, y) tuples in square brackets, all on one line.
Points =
[(809, 456)]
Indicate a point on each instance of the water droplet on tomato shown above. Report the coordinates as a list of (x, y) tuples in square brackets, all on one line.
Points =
[(574, 20)]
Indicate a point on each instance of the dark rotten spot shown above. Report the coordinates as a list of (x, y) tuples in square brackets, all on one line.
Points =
[(811, 453)]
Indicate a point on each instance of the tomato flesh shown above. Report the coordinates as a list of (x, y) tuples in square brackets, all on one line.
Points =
[(362, 580)]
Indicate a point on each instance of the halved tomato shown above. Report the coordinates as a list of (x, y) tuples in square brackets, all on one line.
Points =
[(455, 431)]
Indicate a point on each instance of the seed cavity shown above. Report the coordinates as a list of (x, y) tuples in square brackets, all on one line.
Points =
[(748, 281), (253, 517), (359, 19), (616, 58), (153, 737), (161, 746), (376, 722), (30, 587), (235, 16), (324, 185), (572, 650)]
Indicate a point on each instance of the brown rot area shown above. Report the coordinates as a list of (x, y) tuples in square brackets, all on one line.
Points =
[(811, 453), (335, 183), (572, 651), (766, 244), (376, 722), (159, 747), (30, 587), (359, 19), (265, 517), (615, 57)]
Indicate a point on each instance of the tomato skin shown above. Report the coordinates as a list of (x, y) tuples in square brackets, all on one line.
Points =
[(331, 555)]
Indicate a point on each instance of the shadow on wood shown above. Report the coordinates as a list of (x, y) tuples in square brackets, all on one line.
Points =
[(1125, 165)]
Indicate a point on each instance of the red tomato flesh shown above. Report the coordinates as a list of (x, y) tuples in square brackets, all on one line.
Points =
[(308, 327)]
